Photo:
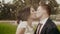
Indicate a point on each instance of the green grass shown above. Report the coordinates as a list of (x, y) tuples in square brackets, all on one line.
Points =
[(6, 28), (58, 27)]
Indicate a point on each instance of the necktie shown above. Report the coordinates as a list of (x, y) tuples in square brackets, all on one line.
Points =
[(38, 28)]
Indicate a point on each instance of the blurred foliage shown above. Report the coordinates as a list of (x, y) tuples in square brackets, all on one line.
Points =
[(12, 11), (20, 5), (7, 11)]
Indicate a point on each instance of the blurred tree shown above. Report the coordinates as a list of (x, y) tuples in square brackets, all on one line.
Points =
[(20, 4), (11, 11), (7, 11)]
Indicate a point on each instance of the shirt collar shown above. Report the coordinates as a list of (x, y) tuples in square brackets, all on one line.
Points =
[(44, 20)]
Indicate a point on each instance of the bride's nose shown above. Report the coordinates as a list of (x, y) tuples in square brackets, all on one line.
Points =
[(34, 12)]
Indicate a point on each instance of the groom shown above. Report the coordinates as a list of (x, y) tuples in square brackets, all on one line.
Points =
[(46, 25)]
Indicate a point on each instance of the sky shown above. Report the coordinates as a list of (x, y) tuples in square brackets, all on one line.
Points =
[(6, 1), (58, 1)]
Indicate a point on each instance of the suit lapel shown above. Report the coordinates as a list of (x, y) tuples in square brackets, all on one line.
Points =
[(45, 26)]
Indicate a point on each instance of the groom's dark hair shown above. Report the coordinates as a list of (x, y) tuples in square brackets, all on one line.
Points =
[(47, 7)]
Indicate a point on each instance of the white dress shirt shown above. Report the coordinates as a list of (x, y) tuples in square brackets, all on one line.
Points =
[(43, 23)]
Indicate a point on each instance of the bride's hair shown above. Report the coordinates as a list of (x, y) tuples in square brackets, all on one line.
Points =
[(24, 13)]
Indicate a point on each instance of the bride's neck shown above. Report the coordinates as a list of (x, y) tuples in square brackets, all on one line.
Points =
[(29, 22)]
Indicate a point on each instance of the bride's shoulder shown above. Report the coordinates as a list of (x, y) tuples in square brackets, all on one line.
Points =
[(23, 23)]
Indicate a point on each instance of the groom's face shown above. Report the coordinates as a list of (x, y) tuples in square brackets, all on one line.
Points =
[(40, 12)]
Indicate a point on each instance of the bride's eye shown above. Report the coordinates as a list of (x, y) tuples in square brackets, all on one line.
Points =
[(33, 11)]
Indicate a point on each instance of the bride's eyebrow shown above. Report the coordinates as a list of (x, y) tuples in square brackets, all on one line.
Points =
[(35, 8)]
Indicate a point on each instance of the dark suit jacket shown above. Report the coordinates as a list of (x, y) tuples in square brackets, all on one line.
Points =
[(49, 28)]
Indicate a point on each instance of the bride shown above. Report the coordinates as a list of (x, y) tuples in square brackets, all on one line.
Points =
[(27, 25)]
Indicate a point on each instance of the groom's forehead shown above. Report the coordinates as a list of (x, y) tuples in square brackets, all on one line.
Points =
[(40, 7)]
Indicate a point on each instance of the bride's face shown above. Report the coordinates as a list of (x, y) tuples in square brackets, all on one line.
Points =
[(33, 13)]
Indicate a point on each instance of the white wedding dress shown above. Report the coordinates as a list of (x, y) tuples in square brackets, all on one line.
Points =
[(23, 24)]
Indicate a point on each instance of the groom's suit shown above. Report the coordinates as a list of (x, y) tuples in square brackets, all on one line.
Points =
[(49, 28)]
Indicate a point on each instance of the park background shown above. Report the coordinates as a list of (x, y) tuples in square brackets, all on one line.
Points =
[(10, 11)]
